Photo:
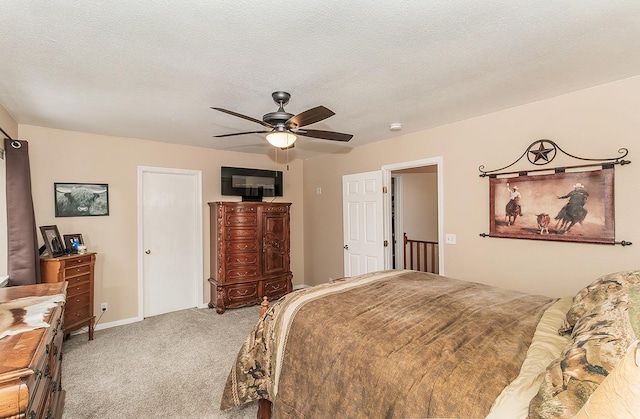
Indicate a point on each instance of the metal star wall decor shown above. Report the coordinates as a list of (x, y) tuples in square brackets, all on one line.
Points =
[(543, 151)]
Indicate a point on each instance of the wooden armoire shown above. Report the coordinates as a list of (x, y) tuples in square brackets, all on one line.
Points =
[(249, 253)]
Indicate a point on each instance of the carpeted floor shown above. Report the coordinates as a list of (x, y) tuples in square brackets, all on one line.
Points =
[(173, 365)]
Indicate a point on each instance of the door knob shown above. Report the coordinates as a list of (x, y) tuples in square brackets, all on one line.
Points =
[(148, 251), (346, 247)]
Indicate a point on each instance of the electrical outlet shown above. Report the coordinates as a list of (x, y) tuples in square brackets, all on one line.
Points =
[(103, 307)]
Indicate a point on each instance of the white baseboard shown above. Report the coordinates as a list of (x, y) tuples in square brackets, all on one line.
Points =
[(101, 326), (300, 286), (116, 323), (122, 322)]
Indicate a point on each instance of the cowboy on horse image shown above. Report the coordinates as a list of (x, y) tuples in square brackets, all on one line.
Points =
[(573, 212), (513, 208)]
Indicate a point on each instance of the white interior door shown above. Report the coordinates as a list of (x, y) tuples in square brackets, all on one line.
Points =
[(170, 208), (362, 223)]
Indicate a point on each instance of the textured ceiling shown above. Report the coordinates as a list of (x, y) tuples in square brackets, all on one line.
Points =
[(151, 69)]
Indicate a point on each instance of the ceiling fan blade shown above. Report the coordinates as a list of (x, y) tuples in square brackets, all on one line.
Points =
[(239, 115), (324, 135), (309, 117), (240, 133)]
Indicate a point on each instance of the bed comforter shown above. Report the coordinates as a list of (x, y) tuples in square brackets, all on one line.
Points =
[(387, 344)]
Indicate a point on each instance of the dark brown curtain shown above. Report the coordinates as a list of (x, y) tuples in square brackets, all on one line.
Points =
[(24, 259)]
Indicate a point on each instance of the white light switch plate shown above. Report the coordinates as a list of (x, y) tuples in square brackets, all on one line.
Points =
[(450, 238)]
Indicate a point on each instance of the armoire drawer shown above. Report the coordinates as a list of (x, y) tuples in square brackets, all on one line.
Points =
[(241, 234), (242, 292), (241, 219), (242, 246), (247, 272), (241, 260), (275, 288)]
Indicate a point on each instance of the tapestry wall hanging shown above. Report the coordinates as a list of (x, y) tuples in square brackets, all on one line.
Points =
[(562, 207), (571, 204)]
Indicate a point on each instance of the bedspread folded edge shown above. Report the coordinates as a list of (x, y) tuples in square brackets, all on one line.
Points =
[(547, 343)]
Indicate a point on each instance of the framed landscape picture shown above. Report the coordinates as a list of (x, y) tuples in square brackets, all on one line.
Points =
[(81, 199), (574, 207)]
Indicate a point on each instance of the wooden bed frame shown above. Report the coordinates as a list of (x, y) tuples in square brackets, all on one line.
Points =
[(264, 405)]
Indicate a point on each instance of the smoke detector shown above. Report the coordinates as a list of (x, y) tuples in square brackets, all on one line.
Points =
[(395, 126)]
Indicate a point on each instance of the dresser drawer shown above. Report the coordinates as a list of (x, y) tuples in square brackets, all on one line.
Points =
[(241, 219), (74, 271), (80, 260), (76, 288), (38, 381), (46, 370), (78, 300), (77, 314)]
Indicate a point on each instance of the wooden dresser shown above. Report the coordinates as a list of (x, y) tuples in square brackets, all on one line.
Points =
[(250, 253), (78, 271), (31, 362)]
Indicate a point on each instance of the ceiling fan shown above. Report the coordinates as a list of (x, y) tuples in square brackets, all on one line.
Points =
[(284, 127)]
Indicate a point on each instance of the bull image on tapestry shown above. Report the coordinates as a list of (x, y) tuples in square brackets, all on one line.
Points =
[(574, 207), (81, 199)]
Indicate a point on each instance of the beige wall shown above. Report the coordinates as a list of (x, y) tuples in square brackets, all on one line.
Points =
[(594, 123), (8, 123), (420, 206), (64, 156), (10, 126)]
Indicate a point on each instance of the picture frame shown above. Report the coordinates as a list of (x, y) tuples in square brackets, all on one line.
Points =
[(71, 242), (565, 206), (81, 199), (52, 241)]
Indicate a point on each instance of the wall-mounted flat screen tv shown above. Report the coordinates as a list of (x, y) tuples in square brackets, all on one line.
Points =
[(250, 184)]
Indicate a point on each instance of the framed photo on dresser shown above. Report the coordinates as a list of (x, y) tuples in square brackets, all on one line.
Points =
[(52, 241), (72, 241)]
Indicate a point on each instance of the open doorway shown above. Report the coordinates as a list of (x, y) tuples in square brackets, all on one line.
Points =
[(414, 218), (414, 205)]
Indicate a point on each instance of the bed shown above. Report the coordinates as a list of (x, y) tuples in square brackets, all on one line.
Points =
[(413, 344)]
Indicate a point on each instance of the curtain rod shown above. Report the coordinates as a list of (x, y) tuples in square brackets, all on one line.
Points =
[(8, 138), (5, 134)]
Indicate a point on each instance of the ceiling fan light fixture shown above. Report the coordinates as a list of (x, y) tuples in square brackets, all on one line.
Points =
[(281, 139)]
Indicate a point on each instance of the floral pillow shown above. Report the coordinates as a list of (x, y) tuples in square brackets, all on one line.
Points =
[(605, 323), (599, 290)]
